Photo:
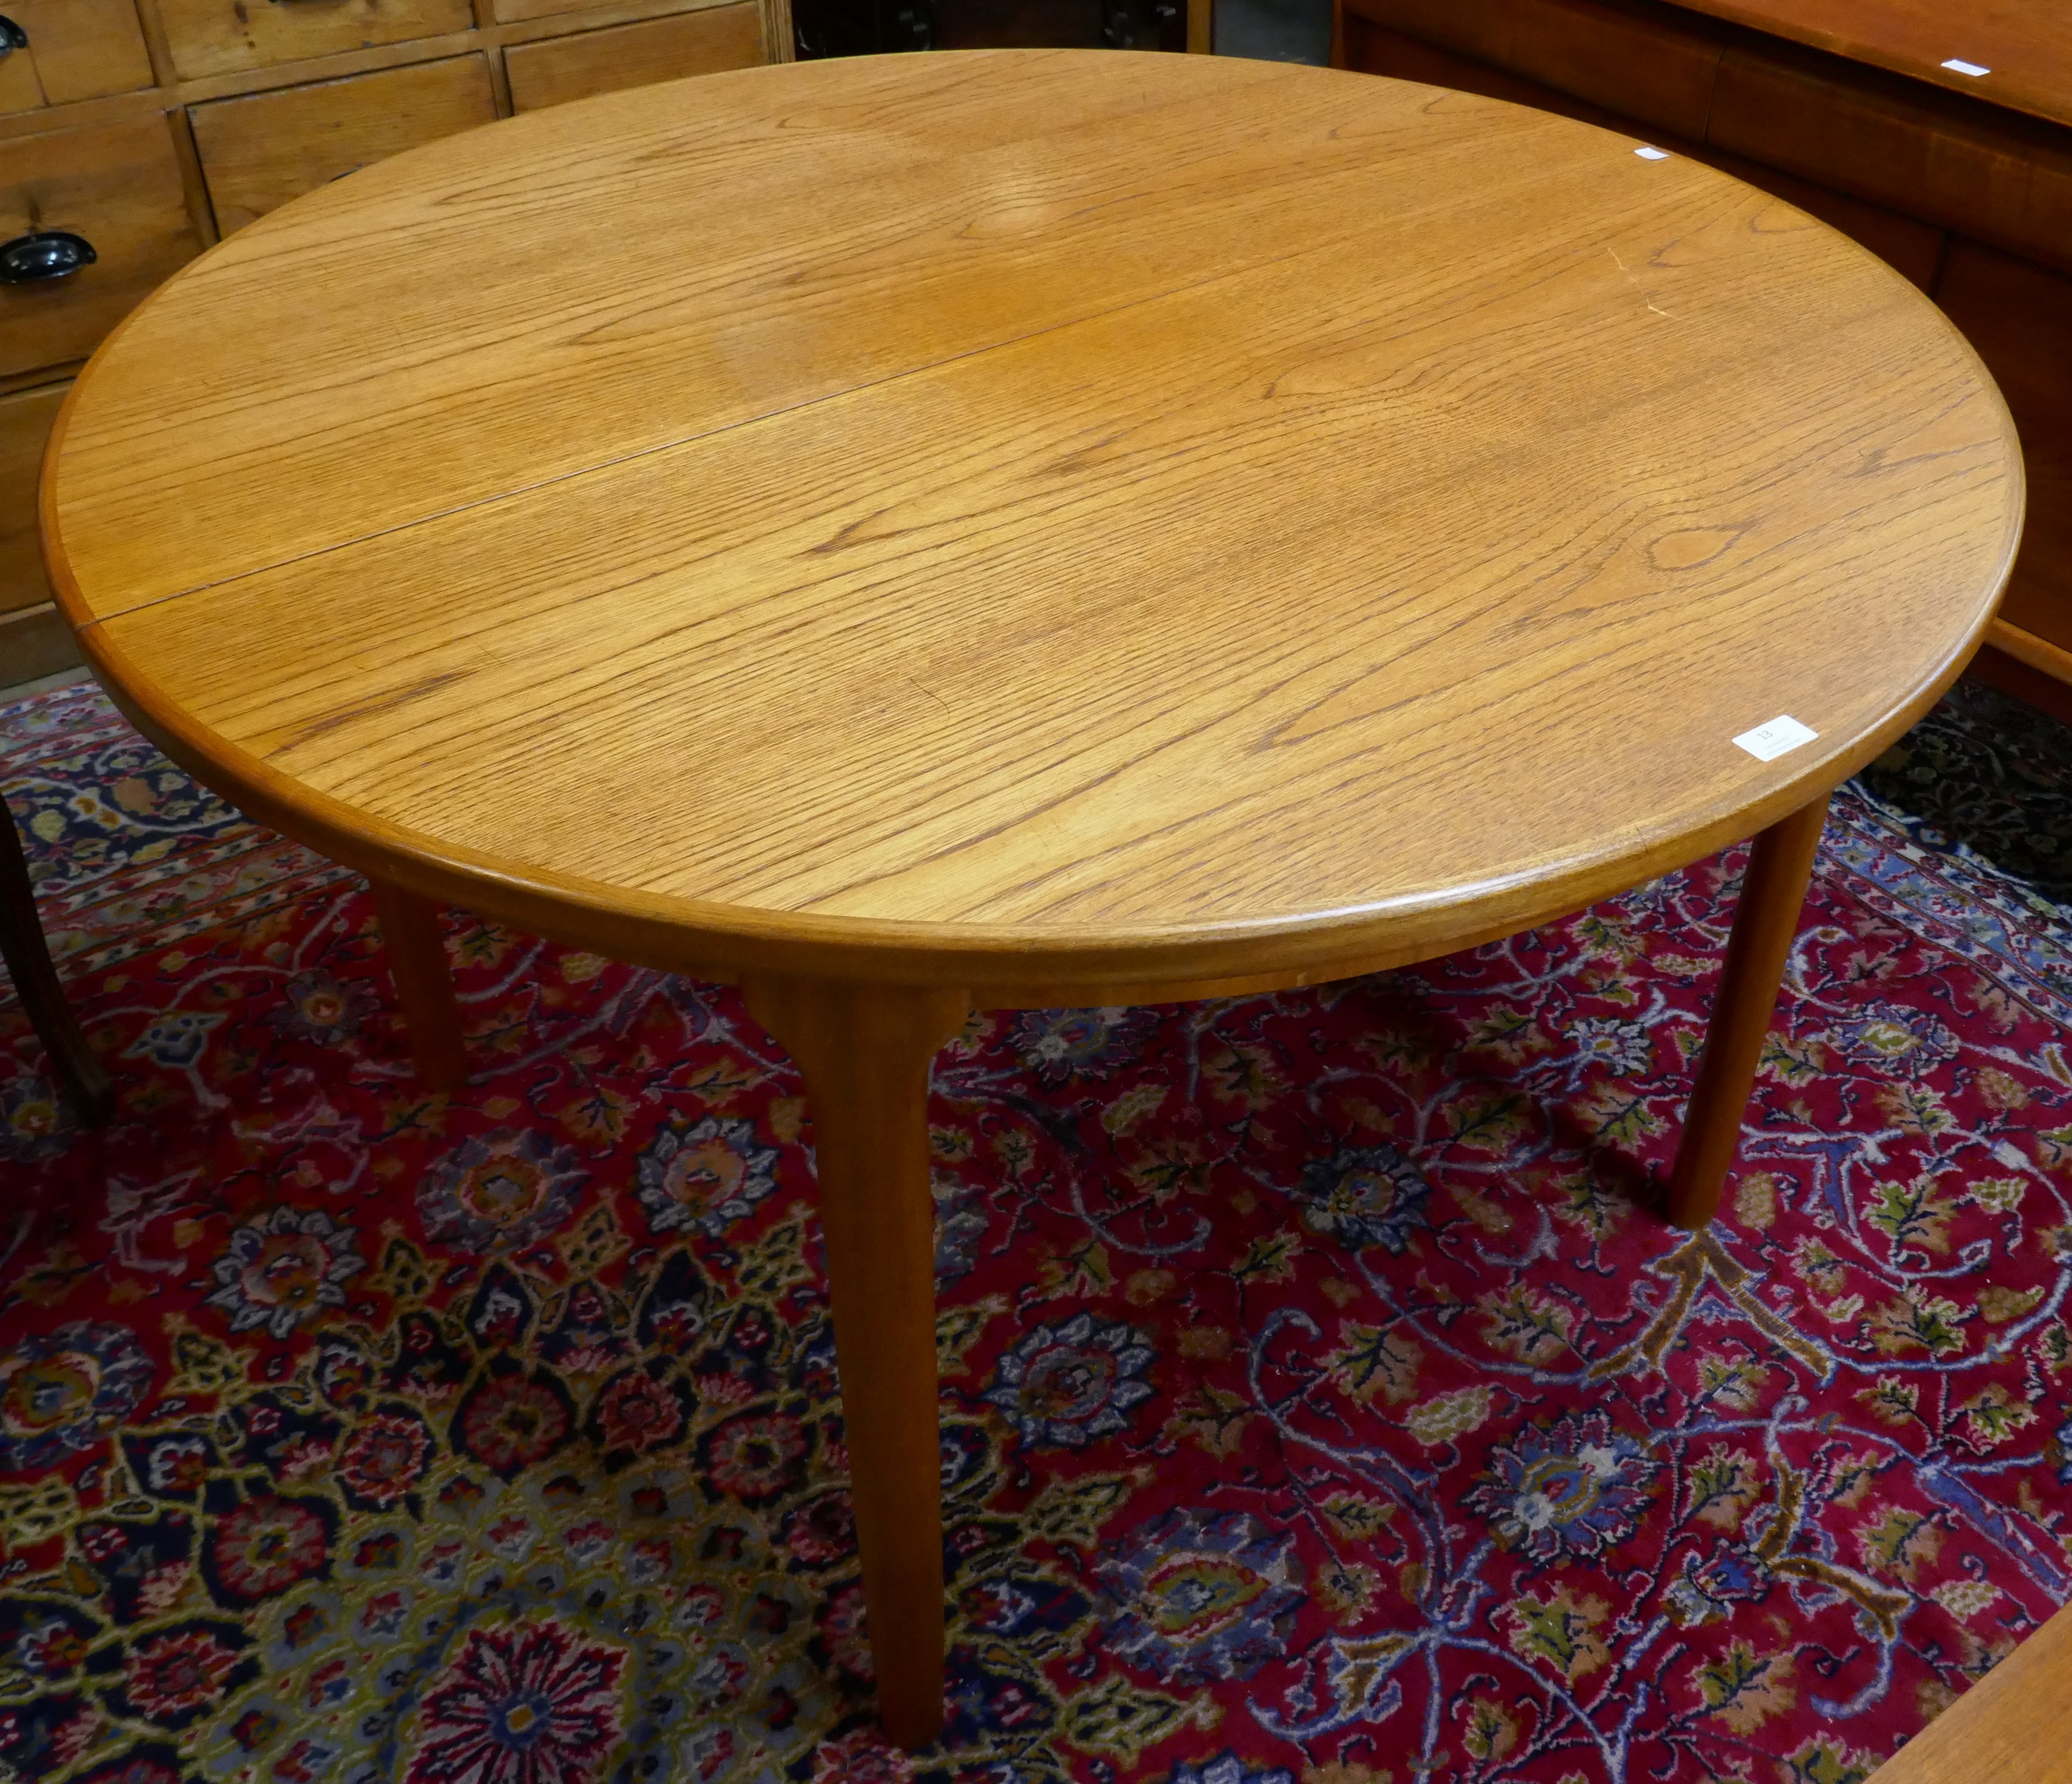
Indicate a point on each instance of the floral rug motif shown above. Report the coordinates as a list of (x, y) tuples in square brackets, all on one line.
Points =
[(1323, 1401)]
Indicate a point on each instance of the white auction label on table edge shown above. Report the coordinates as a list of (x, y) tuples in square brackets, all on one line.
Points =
[(1782, 735)]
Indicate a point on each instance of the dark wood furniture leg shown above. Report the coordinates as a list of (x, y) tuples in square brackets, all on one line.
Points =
[(28, 958), (1780, 867), (865, 1053), (417, 948)]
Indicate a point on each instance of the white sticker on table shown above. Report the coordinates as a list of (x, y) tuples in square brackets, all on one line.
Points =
[(1781, 736), (1652, 153), (1957, 65)]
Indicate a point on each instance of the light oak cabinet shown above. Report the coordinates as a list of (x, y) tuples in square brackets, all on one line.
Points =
[(261, 150), (114, 193), (71, 50), (629, 56), (135, 132), (229, 36)]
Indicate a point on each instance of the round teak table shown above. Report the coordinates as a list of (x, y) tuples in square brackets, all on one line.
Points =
[(940, 533)]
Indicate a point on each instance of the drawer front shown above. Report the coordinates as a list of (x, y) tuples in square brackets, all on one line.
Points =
[(257, 153), (2018, 316), (118, 188), (1658, 73), (229, 36), (1913, 249), (634, 55), (77, 49), (2007, 180), (25, 424)]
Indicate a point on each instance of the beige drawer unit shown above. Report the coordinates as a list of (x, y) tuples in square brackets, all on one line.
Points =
[(90, 220), (260, 151), (60, 51), (634, 55), (216, 37)]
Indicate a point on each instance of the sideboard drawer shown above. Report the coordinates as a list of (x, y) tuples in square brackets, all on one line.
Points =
[(2020, 318), (228, 36), (1913, 249), (77, 49), (260, 151), (635, 56), (1994, 176), (118, 188), (25, 424), (1607, 55)]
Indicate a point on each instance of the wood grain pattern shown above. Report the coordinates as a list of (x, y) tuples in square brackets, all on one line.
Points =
[(221, 36), (2014, 1726), (25, 424), (119, 187), (260, 151), (704, 42), (2026, 44), (745, 331), (1174, 585)]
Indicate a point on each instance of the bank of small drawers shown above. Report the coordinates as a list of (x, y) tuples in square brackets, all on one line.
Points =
[(145, 129)]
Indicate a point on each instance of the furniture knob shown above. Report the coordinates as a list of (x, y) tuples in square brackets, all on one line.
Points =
[(12, 37), (44, 254)]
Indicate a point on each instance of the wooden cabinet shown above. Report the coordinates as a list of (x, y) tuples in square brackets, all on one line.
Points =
[(1604, 55), (145, 129), (2018, 316), (25, 422), (259, 151), (2004, 179), (661, 49), (117, 189), (74, 50), (225, 36)]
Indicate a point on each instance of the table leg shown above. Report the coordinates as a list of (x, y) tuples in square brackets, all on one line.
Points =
[(1772, 890), (417, 948), (865, 1051), (36, 983)]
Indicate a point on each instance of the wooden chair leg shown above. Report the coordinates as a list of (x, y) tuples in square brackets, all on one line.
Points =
[(29, 965), (417, 947), (1773, 892), (866, 1052)]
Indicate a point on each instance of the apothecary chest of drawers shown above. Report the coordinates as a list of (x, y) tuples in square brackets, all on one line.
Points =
[(135, 132)]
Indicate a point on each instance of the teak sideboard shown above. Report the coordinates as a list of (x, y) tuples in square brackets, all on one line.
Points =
[(1962, 180), (135, 132)]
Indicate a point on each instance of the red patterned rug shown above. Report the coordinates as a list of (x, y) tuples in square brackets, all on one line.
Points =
[(1322, 1401)]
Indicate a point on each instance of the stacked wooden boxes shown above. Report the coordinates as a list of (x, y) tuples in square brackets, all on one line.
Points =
[(135, 132)]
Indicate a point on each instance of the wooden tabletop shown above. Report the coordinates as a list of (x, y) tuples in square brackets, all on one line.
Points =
[(2024, 46), (950, 518)]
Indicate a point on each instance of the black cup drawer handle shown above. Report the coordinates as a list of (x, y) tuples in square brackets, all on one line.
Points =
[(47, 254), (12, 37)]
